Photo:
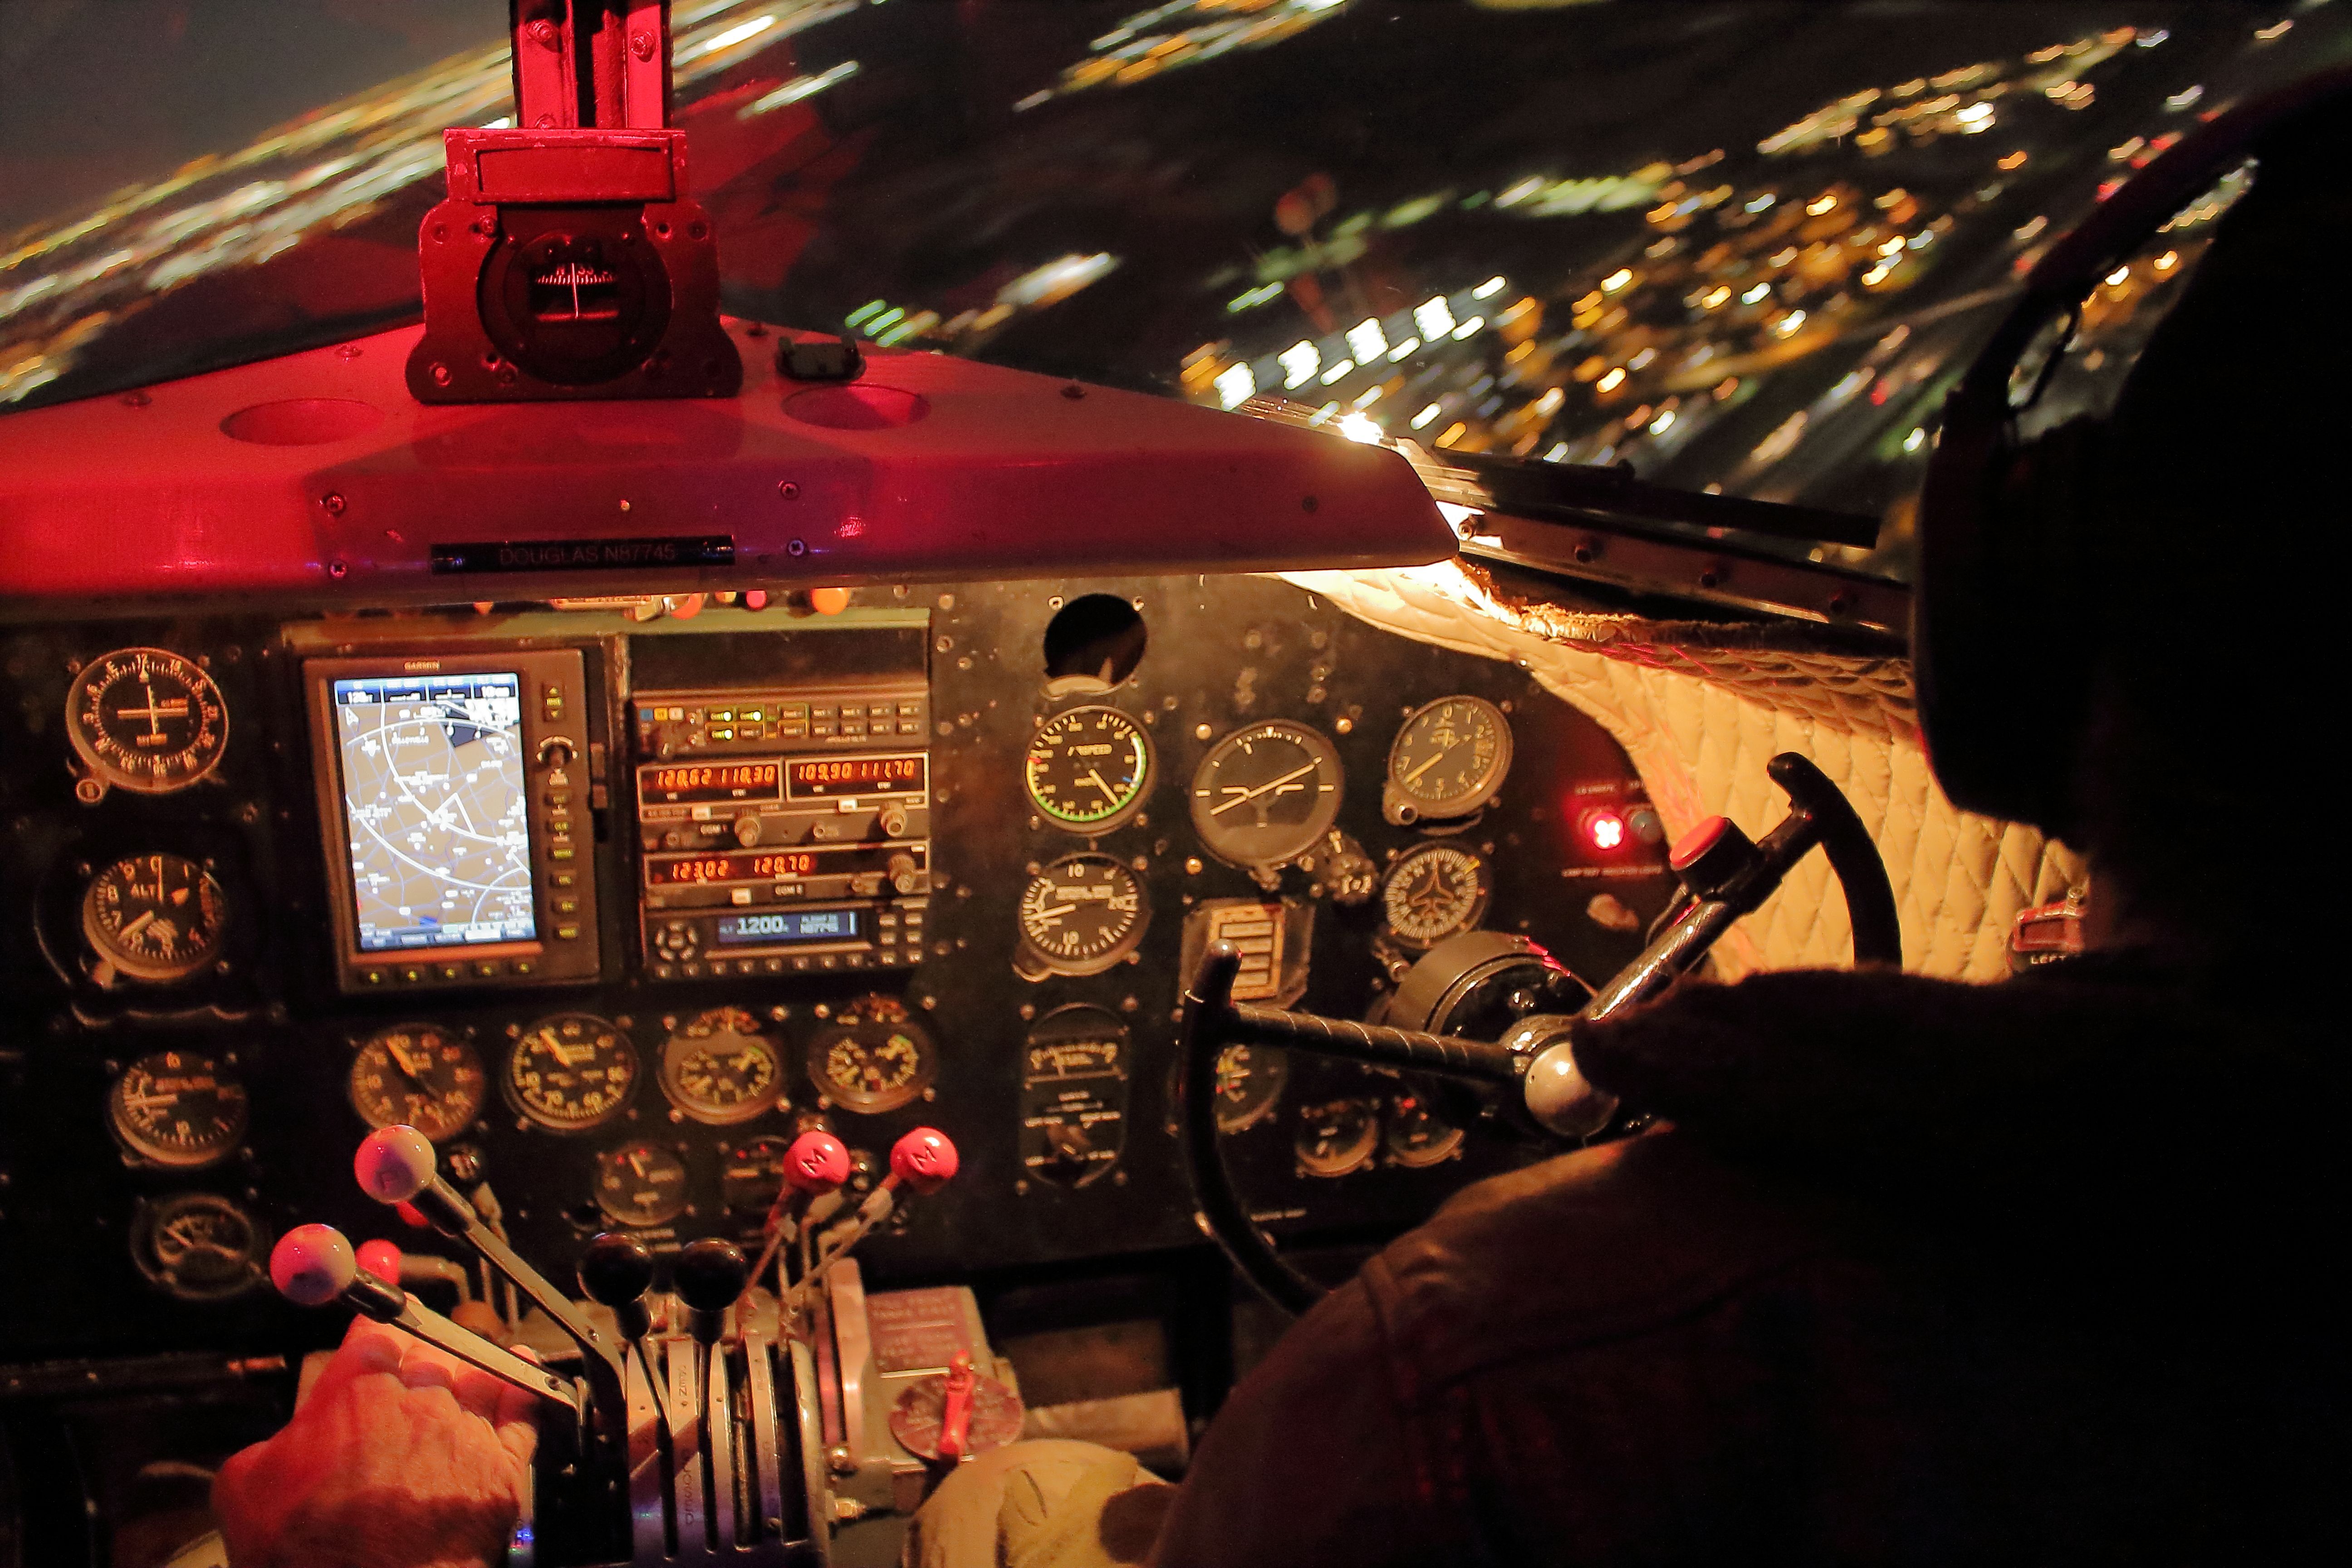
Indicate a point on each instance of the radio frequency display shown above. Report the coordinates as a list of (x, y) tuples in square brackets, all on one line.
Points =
[(820, 777), (434, 797), (698, 783)]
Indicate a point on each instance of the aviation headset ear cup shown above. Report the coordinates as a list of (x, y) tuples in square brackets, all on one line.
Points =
[(2006, 627)]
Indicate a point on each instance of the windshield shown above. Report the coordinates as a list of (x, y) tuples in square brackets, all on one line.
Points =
[(1742, 247)]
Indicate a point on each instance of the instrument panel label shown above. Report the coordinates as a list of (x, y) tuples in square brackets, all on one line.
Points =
[(583, 554)]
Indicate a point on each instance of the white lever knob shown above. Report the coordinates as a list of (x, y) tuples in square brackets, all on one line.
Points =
[(312, 1265), (394, 1165)]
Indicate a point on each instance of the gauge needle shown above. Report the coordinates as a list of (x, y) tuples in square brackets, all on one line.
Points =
[(1093, 776), (149, 1102), (400, 1058), (1057, 912), (1434, 759), (135, 927), (1249, 794)]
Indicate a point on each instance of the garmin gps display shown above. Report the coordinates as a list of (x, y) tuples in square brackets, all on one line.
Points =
[(432, 773)]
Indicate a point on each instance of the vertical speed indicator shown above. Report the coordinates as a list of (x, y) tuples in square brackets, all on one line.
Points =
[(1088, 769)]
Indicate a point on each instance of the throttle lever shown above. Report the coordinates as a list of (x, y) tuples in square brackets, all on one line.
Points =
[(314, 1264), (397, 1164)]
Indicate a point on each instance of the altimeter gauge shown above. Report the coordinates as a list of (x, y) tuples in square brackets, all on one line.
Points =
[(177, 1109), (872, 1056), (572, 1072), (1435, 892), (641, 1184), (145, 718), (1448, 760), (720, 1068), (1079, 916), (1264, 794), (158, 918), (1087, 768), (421, 1076)]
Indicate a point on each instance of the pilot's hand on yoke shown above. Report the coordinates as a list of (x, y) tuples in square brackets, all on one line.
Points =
[(399, 1457)]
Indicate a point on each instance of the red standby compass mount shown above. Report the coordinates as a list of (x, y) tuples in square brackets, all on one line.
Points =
[(567, 261)]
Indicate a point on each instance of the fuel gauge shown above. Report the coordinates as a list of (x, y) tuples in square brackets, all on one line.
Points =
[(1417, 1137)]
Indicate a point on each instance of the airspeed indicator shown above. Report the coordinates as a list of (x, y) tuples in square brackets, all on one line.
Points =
[(1087, 768)]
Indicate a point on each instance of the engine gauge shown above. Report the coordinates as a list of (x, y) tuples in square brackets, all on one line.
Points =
[(157, 917), (641, 1184), (1435, 892), (1250, 1079), (199, 1247), (872, 1057), (1337, 1137), (1079, 916), (147, 720), (1264, 794), (720, 1068), (1088, 769), (1417, 1137), (572, 1072), (177, 1109), (751, 1176), (418, 1075), (1448, 758)]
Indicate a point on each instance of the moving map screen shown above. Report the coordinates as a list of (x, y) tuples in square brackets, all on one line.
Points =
[(434, 795)]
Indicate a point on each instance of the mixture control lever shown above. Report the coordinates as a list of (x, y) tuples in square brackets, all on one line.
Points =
[(815, 1165), (922, 1161), (314, 1265)]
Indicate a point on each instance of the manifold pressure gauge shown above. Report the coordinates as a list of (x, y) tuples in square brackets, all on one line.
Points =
[(720, 1068), (641, 1184), (1448, 760), (157, 917), (1264, 794), (177, 1109), (1435, 892), (145, 718), (872, 1057), (1080, 915), (1087, 768), (572, 1072), (421, 1076)]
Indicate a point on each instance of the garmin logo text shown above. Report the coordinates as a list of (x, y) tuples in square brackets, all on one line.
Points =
[(583, 554)]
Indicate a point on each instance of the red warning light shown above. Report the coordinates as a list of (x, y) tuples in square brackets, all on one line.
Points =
[(1606, 830)]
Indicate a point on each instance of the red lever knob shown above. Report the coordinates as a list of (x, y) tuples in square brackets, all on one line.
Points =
[(955, 1418), (1702, 838), (381, 1259), (925, 1159), (411, 1215), (816, 1163)]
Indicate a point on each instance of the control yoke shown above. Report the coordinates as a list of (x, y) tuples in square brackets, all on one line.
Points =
[(1724, 875)]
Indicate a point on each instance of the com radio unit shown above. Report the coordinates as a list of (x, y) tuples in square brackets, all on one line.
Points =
[(454, 795), (783, 831)]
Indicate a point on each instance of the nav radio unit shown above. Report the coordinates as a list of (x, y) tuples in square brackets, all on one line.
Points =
[(783, 831)]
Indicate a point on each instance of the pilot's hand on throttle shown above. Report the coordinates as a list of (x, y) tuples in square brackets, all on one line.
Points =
[(400, 1458)]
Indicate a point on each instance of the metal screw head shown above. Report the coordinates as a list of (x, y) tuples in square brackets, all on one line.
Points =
[(641, 44), (441, 377), (338, 570), (795, 547), (1074, 392), (334, 503), (788, 489)]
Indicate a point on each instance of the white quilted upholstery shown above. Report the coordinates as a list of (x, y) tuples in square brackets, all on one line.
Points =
[(1700, 725)]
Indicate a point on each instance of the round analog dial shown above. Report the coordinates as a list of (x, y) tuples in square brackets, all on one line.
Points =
[(872, 1057), (1265, 794), (1337, 1137), (1088, 769), (572, 1072), (196, 1247), (178, 1109), (753, 1175), (1436, 891), (154, 917), (1447, 759), (720, 1068), (1080, 915), (1249, 1082), (146, 719), (420, 1075), (641, 1184), (1417, 1136)]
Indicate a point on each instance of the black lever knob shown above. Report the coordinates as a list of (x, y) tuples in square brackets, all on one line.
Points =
[(709, 1274), (616, 1272)]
